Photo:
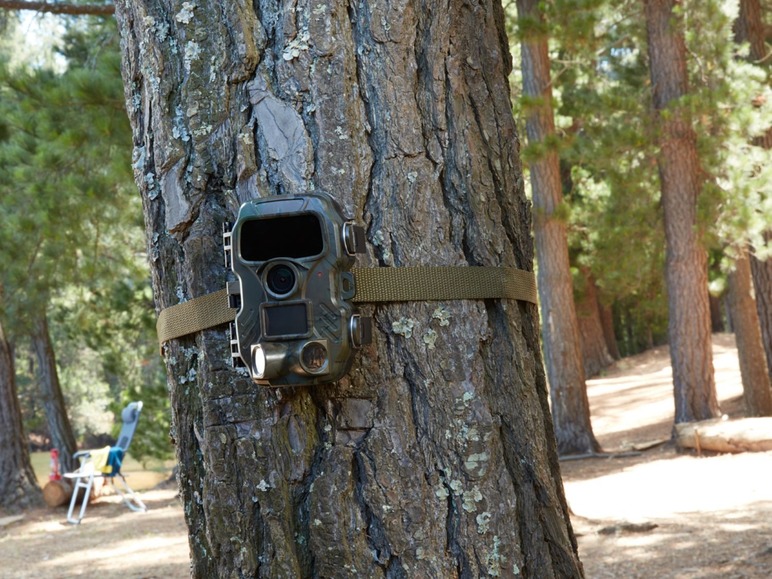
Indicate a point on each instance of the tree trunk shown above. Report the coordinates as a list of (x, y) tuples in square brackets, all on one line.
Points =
[(686, 260), (749, 27), (595, 354), (716, 315), (762, 283), (753, 366), (609, 334), (436, 455), (560, 328), (52, 398), (18, 485)]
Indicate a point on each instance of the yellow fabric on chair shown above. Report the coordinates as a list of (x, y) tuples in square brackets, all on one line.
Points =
[(98, 459)]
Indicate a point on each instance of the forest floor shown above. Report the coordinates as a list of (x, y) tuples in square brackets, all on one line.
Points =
[(659, 514), (663, 513)]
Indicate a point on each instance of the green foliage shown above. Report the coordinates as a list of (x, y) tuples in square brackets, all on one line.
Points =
[(607, 144), (71, 233)]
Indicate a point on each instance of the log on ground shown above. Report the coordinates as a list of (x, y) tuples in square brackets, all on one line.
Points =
[(719, 435), (59, 492)]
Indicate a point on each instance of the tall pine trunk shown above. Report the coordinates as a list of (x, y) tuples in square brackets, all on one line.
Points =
[(686, 267), (595, 351), (560, 327), (18, 485), (59, 428), (753, 367), (749, 27), (436, 456)]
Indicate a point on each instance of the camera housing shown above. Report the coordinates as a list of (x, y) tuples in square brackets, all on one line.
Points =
[(292, 256)]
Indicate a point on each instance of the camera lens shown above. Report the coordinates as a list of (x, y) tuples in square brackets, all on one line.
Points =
[(313, 357), (280, 279)]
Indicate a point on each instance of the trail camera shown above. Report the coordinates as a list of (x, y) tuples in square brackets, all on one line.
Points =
[(295, 322)]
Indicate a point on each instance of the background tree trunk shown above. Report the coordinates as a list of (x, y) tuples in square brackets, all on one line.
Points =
[(762, 283), (609, 334), (749, 27), (59, 427), (18, 486), (436, 456), (595, 354), (753, 367), (560, 328), (686, 260)]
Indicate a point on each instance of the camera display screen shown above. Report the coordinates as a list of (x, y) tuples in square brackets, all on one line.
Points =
[(292, 236), (285, 320)]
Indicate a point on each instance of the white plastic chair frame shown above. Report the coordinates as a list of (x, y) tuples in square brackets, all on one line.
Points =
[(85, 474)]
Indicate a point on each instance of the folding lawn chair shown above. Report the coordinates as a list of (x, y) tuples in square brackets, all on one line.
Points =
[(106, 463)]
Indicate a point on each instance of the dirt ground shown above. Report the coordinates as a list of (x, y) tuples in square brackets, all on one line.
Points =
[(658, 514), (663, 514)]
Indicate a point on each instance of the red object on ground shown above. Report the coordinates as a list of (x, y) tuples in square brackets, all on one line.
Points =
[(55, 474)]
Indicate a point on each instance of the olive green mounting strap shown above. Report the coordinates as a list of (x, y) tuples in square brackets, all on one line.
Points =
[(418, 284), (193, 316), (373, 285)]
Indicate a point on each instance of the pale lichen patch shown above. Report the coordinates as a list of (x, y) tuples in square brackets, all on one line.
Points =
[(442, 314), (430, 338), (403, 327), (185, 15), (483, 520)]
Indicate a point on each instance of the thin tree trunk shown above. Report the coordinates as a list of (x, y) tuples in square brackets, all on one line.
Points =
[(716, 315), (762, 283), (749, 27), (560, 328), (436, 456), (18, 485), (595, 354), (681, 182), (609, 334), (59, 428), (753, 367)]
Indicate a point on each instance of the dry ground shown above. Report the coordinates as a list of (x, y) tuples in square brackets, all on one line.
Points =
[(665, 514), (655, 515)]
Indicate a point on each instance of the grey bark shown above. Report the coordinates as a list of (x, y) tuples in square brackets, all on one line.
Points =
[(52, 398), (18, 484), (560, 328), (436, 456), (753, 366), (686, 260)]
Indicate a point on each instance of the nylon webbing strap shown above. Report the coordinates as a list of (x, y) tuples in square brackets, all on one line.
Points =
[(417, 284), (194, 315), (373, 285)]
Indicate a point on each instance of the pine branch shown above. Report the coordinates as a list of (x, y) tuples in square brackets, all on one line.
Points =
[(59, 7)]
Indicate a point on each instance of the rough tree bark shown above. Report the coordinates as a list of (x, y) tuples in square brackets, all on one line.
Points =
[(595, 353), (436, 455), (607, 323), (686, 259), (762, 283), (560, 328), (18, 485), (753, 366), (749, 27), (59, 428)]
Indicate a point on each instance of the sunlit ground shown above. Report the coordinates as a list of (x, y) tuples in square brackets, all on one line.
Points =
[(110, 541), (662, 514)]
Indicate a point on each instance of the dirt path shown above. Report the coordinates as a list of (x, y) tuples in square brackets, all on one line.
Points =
[(663, 514), (656, 515)]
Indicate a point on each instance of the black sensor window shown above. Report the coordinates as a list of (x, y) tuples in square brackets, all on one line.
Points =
[(292, 237), (285, 320)]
